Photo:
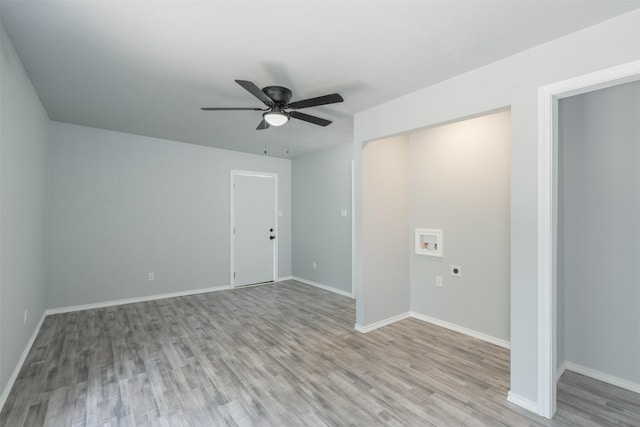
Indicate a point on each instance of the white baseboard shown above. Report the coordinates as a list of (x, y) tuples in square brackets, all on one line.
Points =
[(462, 330), (325, 287), (469, 332), (560, 370), (282, 279), (377, 325), (610, 379), (16, 371), (525, 403), (132, 300)]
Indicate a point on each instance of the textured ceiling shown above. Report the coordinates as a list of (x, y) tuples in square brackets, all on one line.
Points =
[(147, 67)]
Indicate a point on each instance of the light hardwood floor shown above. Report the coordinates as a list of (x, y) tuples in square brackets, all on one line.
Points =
[(283, 354)]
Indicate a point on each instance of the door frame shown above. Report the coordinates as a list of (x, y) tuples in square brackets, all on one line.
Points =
[(232, 218), (548, 97)]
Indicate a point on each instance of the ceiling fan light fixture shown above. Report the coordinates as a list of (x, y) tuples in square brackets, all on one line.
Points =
[(276, 118)]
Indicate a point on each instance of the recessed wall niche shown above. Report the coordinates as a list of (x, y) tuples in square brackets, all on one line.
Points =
[(452, 178)]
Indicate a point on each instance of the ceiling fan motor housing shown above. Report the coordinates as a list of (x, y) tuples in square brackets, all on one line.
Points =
[(281, 95)]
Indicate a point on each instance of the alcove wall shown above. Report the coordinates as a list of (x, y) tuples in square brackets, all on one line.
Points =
[(459, 182), (385, 225)]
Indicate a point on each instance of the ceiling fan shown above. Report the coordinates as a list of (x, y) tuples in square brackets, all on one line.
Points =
[(278, 109)]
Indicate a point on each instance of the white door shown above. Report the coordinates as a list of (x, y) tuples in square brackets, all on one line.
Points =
[(253, 228)]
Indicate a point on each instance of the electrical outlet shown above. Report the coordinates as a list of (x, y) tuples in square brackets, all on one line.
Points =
[(439, 281), (150, 276), (456, 271), (26, 315), (314, 265)]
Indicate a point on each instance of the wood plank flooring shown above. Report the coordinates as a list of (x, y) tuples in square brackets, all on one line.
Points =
[(283, 354)]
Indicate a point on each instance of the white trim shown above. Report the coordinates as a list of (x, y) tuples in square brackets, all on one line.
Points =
[(607, 378), (547, 101), (282, 279), (546, 332), (353, 226), (382, 323), (560, 370), (23, 357), (252, 285), (325, 287), (525, 403), (441, 323), (132, 300), (460, 329), (233, 174), (232, 240)]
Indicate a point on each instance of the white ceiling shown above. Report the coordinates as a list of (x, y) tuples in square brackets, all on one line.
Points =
[(147, 67)]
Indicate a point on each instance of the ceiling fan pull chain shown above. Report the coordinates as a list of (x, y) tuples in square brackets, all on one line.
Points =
[(287, 140)]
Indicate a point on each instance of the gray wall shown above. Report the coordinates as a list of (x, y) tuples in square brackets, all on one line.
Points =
[(122, 205), (24, 134), (514, 82), (600, 139), (385, 195), (560, 289), (321, 187), (459, 182)]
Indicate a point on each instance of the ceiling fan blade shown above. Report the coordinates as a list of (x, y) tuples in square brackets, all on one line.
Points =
[(231, 109), (313, 102), (311, 119), (255, 91), (263, 125)]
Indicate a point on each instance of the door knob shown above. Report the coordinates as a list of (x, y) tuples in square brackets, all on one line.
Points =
[(272, 237)]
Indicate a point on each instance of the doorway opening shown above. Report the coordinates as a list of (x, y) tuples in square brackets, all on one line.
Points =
[(598, 322), (549, 97)]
